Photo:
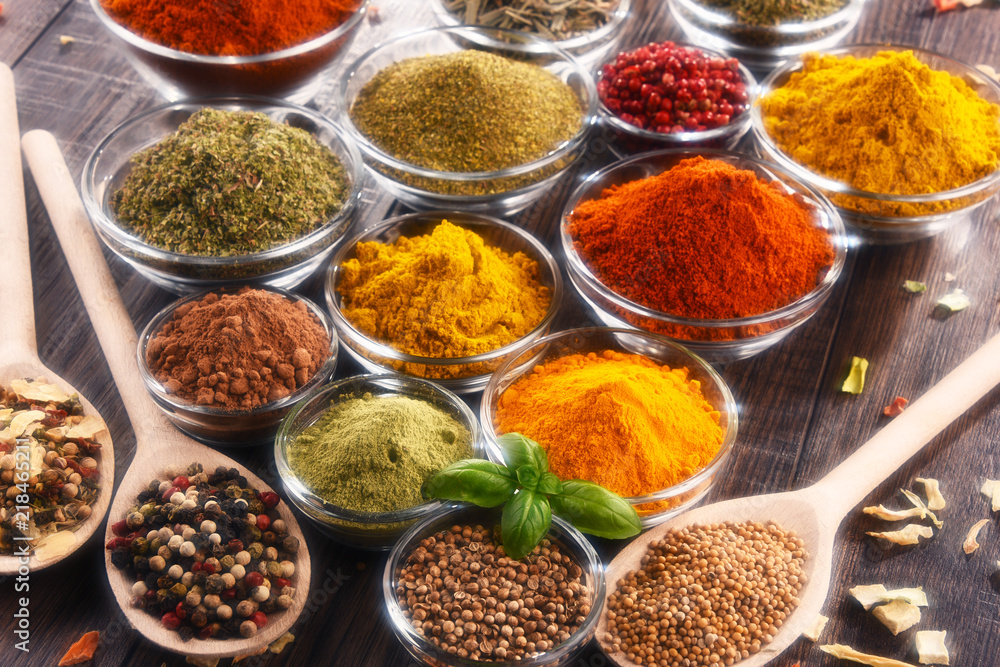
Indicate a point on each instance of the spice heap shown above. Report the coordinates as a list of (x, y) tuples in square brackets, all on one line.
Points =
[(702, 240), (373, 453), (444, 294), (622, 421), (553, 20), (462, 593), (707, 595), (48, 473), (468, 111), (238, 351), (887, 124), (668, 89), (230, 183), (245, 28), (210, 554), (775, 12)]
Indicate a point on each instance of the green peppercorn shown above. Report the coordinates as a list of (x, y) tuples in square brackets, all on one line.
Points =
[(254, 533), (256, 507), (178, 590), (274, 568), (140, 545), (256, 549), (165, 582), (227, 562), (155, 544), (234, 492), (199, 619), (148, 510), (135, 520), (290, 544)]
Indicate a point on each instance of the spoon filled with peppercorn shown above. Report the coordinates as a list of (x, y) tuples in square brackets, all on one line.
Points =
[(202, 556), (741, 579), (56, 471)]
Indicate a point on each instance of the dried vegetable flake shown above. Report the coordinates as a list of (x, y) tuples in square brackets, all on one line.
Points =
[(930, 647), (855, 381), (896, 407), (991, 489), (847, 653), (914, 286), (952, 302), (910, 534), (813, 632), (970, 544), (932, 489), (82, 649), (898, 615)]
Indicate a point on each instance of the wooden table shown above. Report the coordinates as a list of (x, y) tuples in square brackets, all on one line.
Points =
[(795, 424)]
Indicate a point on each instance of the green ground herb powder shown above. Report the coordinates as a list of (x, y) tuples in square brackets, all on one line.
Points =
[(230, 183), (775, 12), (373, 453)]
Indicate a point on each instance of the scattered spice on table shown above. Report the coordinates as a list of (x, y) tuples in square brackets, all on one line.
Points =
[(373, 453), (854, 383), (230, 183), (703, 240), (620, 420), (775, 12), (914, 286), (210, 553), (886, 124), (953, 301), (715, 615), (504, 609), (82, 649), (895, 408), (667, 88), (208, 27), (238, 351), (948, 5), (442, 294), (49, 475), (559, 20)]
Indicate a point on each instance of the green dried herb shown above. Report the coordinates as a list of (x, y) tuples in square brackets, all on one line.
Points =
[(558, 20), (230, 183), (774, 12)]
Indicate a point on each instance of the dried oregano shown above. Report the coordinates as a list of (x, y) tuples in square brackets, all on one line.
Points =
[(230, 183)]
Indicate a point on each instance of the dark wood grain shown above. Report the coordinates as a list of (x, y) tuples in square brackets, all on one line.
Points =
[(795, 425)]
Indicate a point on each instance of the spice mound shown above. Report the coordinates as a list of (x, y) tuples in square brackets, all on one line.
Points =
[(248, 28), (463, 594), (623, 421), (238, 351), (210, 554), (887, 124), (373, 453), (551, 20), (48, 471), (714, 594), (703, 240), (775, 12), (230, 183), (444, 294)]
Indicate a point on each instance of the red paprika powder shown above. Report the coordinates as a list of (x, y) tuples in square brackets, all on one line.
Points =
[(703, 240)]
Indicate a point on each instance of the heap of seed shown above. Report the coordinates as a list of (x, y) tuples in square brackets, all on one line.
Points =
[(462, 593), (707, 595)]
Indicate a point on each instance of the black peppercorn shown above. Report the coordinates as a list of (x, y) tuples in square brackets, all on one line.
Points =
[(121, 558), (186, 633)]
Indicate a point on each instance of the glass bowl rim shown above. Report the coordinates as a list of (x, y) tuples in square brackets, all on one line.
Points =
[(353, 168), (369, 149), (837, 232), (399, 385), (162, 51), (839, 187), (547, 260), (719, 20), (729, 404)]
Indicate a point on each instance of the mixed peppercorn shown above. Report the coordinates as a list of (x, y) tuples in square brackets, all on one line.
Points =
[(210, 554)]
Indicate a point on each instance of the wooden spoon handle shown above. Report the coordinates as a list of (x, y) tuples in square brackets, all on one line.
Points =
[(904, 436), (97, 288), (17, 326)]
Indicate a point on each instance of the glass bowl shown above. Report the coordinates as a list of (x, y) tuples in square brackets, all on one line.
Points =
[(570, 541), (872, 214), (718, 341), (459, 374), (364, 530), (294, 73), (230, 428), (627, 139), (497, 193), (588, 48), (654, 508), (283, 266)]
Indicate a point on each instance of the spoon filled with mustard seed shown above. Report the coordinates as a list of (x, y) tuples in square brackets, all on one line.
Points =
[(236, 581), (697, 579)]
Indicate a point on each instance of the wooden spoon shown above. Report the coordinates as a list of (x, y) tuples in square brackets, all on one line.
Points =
[(816, 511), (18, 349), (158, 443)]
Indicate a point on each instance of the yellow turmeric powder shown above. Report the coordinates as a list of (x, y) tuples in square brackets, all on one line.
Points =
[(622, 421), (443, 295), (887, 124)]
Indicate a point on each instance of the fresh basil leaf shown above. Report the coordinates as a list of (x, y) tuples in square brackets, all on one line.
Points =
[(549, 484), (520, 451), (593, 509), (475, 481), (528, 477), (525, 521)]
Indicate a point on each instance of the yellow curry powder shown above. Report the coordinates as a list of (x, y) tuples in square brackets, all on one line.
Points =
[(622, 421), (444, 295), (887, 124)]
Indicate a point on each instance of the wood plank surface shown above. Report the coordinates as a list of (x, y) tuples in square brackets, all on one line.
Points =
[(794, 424)]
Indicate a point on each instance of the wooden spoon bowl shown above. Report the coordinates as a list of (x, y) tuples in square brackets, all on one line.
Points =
[(18, 349), (158, 443), (814, 513)]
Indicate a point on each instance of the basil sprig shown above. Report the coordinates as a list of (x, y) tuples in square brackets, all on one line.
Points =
[(530, 494)]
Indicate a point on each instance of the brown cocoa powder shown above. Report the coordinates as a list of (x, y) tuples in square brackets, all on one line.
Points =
[(237, 351)]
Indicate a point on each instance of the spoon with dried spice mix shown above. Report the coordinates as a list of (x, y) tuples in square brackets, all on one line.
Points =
[(157, 443)]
